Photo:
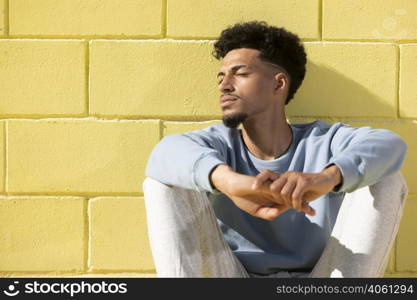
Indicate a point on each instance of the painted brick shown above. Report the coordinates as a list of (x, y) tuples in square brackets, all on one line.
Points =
[(2, 157), (181, 127), (42, 77), (407, 239), (342, 80), (118, 234), (2, 23), (185, 20), (402, 275), (85, 17), (86, 156), (370, 19), (408, 78), (153, 78), (42, 234)]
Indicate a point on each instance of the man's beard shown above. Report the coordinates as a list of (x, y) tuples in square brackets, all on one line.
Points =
[(234, 120)]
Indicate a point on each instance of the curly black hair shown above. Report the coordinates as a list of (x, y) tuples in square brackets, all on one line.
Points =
[(276, 45)]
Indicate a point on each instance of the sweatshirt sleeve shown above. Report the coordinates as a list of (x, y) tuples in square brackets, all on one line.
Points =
[(364, 155), (186, 160)]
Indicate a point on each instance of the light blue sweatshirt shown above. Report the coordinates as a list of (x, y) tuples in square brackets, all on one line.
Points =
[(294, 240)]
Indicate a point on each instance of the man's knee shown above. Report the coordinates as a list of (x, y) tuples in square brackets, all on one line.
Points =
[(391, 190), (155, 190), (151, 185)]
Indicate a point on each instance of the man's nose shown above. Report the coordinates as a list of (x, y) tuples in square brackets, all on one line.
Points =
[(226, 86)]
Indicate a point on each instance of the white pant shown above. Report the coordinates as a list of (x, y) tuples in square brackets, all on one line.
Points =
[(186, 240)]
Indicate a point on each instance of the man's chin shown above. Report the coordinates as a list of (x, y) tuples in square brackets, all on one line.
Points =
[(233, 120)]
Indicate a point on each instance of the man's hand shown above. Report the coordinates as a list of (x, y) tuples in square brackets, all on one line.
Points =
[(258, 202), (270, 194), (296, 189)]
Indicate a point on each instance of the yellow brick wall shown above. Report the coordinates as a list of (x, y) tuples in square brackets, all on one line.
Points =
[(88, 87)]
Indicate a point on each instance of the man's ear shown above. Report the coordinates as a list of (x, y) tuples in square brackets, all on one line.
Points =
[(281, 82)]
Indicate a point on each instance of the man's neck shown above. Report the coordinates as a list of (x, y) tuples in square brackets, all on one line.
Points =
[(267, 138)]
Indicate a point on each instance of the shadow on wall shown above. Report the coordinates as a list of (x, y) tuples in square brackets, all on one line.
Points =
[(326, 92)]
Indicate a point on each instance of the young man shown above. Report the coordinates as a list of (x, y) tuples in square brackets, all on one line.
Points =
[(263, 200)]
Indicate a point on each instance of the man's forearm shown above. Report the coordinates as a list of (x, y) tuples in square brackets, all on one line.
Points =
[(223, 176), (238, 187), (229, 182), (220, 177)]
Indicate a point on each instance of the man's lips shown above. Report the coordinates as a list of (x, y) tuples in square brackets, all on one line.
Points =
[(227, 100)]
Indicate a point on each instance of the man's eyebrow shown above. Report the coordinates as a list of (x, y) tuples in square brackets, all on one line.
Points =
[(234, 68)]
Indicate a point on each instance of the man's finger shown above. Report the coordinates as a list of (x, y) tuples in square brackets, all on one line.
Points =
[(308, 209), (287, 190), (300, 202), (276, 187), (263, 177), (267, 213), (297, 197), (271, 212)]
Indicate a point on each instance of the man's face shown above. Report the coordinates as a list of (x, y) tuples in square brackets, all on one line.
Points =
[(246, 85)]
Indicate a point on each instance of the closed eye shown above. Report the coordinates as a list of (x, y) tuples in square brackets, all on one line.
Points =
[(237, 74)]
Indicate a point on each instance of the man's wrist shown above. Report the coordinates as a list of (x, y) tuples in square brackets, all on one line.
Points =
[(334, 173)]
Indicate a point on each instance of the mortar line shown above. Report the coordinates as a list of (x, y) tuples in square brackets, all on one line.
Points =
[(69, 195), (199, 39), (161, 129), (398, 81), (69, 274), (395, 255), (88, 232), (110, 37), (135, 118), (6, 18), (87, 78), (164, 17), (321, 19), (118, 271), (5, 128)]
